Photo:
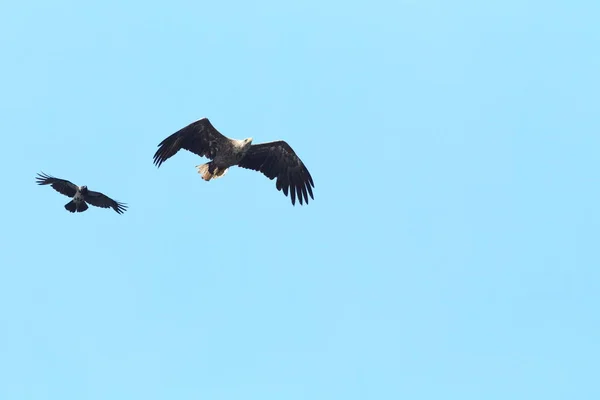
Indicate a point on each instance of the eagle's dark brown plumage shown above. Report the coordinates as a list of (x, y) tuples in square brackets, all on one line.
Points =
[(276, 160)]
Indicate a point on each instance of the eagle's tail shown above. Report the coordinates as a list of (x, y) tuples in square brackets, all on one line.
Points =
[(76, 207), (209, 171)]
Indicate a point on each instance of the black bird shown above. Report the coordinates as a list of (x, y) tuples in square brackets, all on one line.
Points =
[(80, 195), (274, 159)]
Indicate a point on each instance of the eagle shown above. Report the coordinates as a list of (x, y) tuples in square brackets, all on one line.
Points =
[(80, 195), (273, 159)]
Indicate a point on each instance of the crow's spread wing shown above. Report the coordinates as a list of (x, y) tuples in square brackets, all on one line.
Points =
[(101, 200), (62, 186)]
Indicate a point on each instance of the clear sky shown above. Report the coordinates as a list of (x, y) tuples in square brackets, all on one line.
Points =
[(451, 251)]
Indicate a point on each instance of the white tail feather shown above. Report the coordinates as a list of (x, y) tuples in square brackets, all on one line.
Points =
[(203, 170)]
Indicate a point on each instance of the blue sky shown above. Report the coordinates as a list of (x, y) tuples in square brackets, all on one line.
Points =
[(451, 249)]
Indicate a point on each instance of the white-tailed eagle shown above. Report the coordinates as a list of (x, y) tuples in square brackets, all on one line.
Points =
[(80, 195), (273, 159)]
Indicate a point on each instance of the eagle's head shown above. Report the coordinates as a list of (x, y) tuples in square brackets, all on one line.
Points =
[(247, 143), (84, 189)]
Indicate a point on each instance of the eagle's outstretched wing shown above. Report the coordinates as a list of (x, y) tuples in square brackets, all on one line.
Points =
[(199, 137), (278, 160), (62, 186), (101, 200)]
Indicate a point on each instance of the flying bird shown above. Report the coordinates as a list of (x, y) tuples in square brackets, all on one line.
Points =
[(80, 195), (274, 159)]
